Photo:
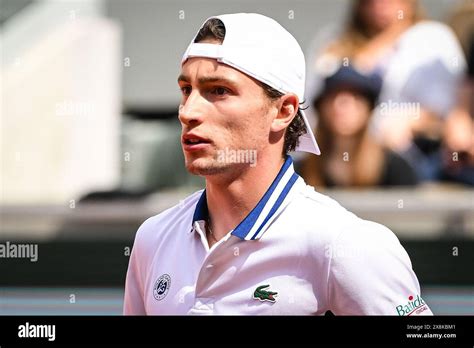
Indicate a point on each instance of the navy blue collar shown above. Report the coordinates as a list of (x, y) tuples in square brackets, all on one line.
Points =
[(257, 221)]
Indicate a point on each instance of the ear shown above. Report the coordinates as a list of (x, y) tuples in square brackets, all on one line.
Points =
[(287, 108)]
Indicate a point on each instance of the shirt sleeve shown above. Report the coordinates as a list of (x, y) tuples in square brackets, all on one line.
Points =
[(370, 273), (133, 299)]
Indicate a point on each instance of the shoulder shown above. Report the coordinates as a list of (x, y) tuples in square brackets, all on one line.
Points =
[(430, 29), (367, 251), (309, 198), (424, 34), (369, 238), (312, 203), (322, 216), (336, 225)]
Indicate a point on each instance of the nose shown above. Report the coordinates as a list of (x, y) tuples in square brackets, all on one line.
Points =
[(191, 111), (343, 101)]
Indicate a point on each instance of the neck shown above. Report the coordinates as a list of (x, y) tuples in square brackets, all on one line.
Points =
[(230, 198)]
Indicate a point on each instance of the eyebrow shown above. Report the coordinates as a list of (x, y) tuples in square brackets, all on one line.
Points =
[(209, 79)]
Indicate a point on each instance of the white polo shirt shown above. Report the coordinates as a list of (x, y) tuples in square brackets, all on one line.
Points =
[(297, 252)]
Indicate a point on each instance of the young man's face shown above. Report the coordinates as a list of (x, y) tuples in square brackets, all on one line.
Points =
[(221, 110)]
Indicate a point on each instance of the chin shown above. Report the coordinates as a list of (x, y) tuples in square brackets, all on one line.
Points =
[(204, 166)]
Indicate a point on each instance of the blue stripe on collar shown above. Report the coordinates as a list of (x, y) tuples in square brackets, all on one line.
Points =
[(201, 212), (277, 204), (253, 226)]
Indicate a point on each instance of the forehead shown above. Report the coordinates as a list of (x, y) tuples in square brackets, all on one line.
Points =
[(198, 69), (344, 89)]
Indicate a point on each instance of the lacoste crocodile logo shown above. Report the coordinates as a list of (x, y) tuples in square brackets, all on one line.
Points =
[(264, 295)]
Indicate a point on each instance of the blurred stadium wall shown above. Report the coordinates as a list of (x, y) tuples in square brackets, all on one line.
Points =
[(61, 110)]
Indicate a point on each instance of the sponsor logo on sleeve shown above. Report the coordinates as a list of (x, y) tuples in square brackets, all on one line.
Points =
[(413, 306)]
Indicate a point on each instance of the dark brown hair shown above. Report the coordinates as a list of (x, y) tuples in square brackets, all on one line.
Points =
[(214, 29), (366, 156)]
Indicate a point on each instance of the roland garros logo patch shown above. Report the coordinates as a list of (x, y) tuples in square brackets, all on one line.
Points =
[(161, 287)]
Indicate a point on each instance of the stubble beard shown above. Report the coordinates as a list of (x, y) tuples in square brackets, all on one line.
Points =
[(205, 166)]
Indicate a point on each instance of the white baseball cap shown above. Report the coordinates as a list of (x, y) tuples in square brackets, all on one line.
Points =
[(261, 48)]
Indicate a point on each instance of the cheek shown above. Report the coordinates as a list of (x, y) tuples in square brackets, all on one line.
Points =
[(327, 114), (245, 124), (364, 113)]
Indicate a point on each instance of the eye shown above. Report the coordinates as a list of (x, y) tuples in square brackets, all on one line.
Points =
[(186, 90), (220, 91)]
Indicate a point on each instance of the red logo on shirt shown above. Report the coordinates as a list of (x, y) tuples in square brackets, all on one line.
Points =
[(414, 306)]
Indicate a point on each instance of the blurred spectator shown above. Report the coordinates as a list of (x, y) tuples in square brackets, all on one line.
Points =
[(458, 135), (421, 64), (461, 20), (351, 155)]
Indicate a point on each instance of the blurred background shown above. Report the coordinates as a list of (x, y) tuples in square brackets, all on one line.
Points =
[(90, 147)]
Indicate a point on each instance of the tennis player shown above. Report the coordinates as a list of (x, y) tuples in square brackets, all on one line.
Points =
[(258, 240)]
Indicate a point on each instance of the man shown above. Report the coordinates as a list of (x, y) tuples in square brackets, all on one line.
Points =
[(258, 240)]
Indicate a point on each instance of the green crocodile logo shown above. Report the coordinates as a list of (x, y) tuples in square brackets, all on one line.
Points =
[(264, 295)]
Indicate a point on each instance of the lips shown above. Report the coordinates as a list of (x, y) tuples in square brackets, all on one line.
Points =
[(194, 142)]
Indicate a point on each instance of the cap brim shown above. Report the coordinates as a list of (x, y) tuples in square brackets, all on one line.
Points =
[(307, 142)]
